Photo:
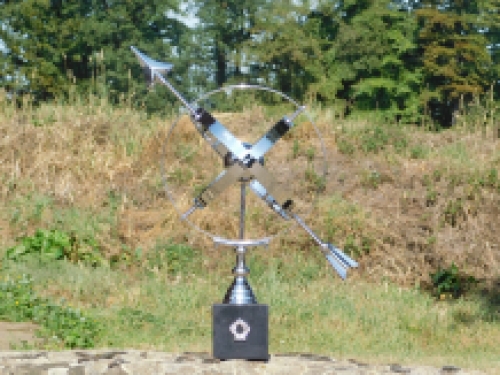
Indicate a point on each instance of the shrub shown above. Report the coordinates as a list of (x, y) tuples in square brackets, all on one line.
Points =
[(56, 245), (61, 326), (450, 282)]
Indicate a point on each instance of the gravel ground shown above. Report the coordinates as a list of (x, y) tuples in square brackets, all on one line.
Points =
[(112, 362)]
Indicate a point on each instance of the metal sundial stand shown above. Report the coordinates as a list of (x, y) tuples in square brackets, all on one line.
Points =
[(240, 324), (240, 292), (239, 310)]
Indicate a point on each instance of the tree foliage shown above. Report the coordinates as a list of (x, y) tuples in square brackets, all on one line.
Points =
[(53, 44), (287, 47), (488, 21), (455, 57), (375, 58), (227, 25), (406, 58)]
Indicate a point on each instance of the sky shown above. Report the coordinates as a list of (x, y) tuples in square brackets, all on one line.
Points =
[(188, 18)]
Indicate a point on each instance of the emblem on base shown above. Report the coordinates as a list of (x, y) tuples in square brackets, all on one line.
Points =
[(240, 330)]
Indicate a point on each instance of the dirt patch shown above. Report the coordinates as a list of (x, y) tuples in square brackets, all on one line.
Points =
[(17, 334)]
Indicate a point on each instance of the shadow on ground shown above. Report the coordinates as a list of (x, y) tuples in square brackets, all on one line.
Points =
[(490, 298)]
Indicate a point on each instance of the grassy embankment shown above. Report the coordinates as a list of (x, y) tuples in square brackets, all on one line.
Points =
[(405, 201)]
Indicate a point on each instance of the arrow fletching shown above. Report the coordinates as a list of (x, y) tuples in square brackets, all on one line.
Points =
[(337, 266), (339, 260), (345, 259)]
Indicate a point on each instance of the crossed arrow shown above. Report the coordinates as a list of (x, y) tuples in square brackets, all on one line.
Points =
[(243, 162)]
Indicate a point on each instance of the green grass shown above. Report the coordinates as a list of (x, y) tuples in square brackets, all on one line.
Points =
[(81, 225), (456, 152), (169, 308), (373, 139), (60, 326)]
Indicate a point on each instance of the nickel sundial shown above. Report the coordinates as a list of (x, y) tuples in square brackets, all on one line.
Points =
[(240, 324)]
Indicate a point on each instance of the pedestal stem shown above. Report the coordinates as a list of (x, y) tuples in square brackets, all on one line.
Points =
[(240, 292), (243, 209)]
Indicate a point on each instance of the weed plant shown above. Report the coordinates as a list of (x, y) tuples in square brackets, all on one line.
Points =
[(451, 283), (60, 326), (373, 139), (47, 245)]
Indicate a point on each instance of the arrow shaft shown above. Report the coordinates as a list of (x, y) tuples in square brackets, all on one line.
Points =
[(307, 229), (174, 91)]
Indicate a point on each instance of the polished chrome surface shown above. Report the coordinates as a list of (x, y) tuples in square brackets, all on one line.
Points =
[(225, 137), (240, 329), (262, 193), (245, 243), (243, 209), (185, 215), (259, 189), (176, 93), (236, 154), (240, 292), (349, 262), (155, 69), (147, 62), (264, 144), (234, 151)]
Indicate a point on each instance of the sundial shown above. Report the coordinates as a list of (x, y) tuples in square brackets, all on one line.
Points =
[(245, 154)]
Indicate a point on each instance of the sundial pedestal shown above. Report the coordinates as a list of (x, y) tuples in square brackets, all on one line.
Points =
[(240, 324)]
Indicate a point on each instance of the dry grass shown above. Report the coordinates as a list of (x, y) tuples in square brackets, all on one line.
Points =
[(406, 212)]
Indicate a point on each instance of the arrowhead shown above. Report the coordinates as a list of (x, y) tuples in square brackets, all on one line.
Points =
[(151, 66)]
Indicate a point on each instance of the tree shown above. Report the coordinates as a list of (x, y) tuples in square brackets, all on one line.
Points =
[(348, 9), (374, 58), (489, 21), (287, 47), (37, 35), (49, 41), (454, 54), (226, 26)]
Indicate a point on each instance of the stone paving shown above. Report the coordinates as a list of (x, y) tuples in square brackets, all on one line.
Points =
[(113, 362)]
